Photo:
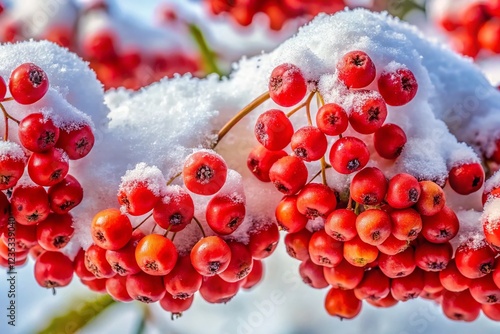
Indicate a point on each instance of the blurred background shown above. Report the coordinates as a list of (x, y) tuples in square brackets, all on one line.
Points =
[(132, 44)]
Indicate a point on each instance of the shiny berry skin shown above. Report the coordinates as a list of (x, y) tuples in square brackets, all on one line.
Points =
[(145, 288), (316, 200), (55, 231), (260, 160), (398, 265), (484, 290), (393, 245), (174, 211), (263, 242), (138, 197), (359, 253), (491, 231), (369, 186), (342, 303), (77, 143), (344, 275), (332, 119), (297, 244), (116, 287), (309, 143), (3, 85), (53, 270), (406, 224), (368, 112), (96, 263), (432, 198), (204, 172), (460, 306), (123, 261), (389, 141), (175, 305), (210, 256), (28, 83), (492, 311), (356, 69), (287, 85), (374, 226), (397, 87), (111, 229), (325, 251), (225, 213), (183, 281), (256, 275), (4, 210), (433, 257), (217, 291), (273, 130), (11, 170), (25, 237), (288, 174), (474, 261), (240, 265), (408, 287), (341, 224), (97, 285), (288, 216), (65, 195), (441, 227), (156, 255), (37, 133), (29, 204), (312, 274), (374, 286), (488, 35), (49, 167), (79, 266), (403, 191), (467, 178), (452, 279), (348, 155)]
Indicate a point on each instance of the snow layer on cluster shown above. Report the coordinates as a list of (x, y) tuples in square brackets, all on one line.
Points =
[(150, 176), (11, 150), (491, 215), (493, 182)]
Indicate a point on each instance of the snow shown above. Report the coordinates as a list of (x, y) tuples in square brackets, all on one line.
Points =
[(491, 215), (11, 150), (492, 183), (150, 176)]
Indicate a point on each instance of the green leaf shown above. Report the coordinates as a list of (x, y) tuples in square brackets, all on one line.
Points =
[(80, 313), (208, 55)]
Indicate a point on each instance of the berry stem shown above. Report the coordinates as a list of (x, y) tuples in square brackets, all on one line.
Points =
[(144, 220), (349, 203), (242, 113), (172, 179), (318, 173), (7, 99), (173, 236), (297, 108), (308, 107), (7, 114), (323, 171), (6, 117), (166, 231), (356, 208), (201, 227)]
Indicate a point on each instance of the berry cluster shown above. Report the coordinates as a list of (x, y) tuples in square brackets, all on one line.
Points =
[(90, 32), (130, 264), (278, 11), (476, 28), (35, 206), (383, 240)]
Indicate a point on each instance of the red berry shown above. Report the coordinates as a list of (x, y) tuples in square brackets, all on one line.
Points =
[(273, 130), (433, 257), (3, 85), (492, 311), (397, 87), (37, 133), (359, 253), (79, 266), (53, 270), (28, 83), (342, 303), (369, 186), (316, 200), (488, 35), (183, 281), (77, 143), (175, 305), (216, 291), (97, 285), (55, 232), (341, 224), (48, 168), (111, 229), (297, 244), (406, 224), (175, 210), (389, 141), (432, 199), (460, 306), (467, 178), (491, 230), (393, 245), (240, 265), (403, 191), (332, 119), (408, 287), (374, 286), (263, 242), (344, 275), (287, 85), (398, 265), (441, 227), (474, 16), (204, 172), (368, 112), (65, 195), (25, 237), (145, 288), (138, 197), (312, 274), (288, 174), (309, 143), (484, 290), (123, 261), (210, 256), (451, 278), (325, 251), (255, 276), (373, 226), (261, 159), (288, 216), (348, 155), (96, 263), (116, 287), (356, 69), (225, 214), (474, 259), (4, 210), (156, 255), (11, 170), (29, 204)]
